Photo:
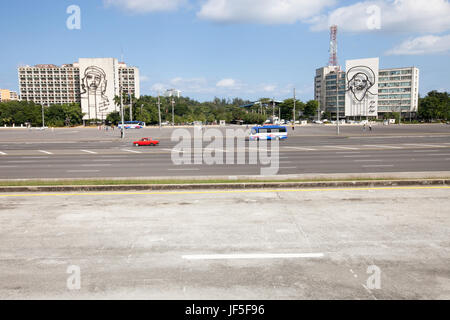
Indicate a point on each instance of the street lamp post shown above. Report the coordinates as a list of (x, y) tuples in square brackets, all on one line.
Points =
[(122, 130), (294, 108), (43, 119), (159, 111), (337, 104)]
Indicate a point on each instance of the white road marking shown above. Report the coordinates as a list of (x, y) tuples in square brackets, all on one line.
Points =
[(382, 146), (436, 154), (356, 156), (46, 152), (88, 151), (368, 160), (186, 169), (252, 256), (288, 167), (348, 152), (347, 148), (378, 166), (8, 166), (96, 165), (39, 157), (301, 148), (133, 151), (81, 171), (425, 151), (3, 154), (425, 145)]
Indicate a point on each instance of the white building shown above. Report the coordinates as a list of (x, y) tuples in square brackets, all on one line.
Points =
[(398, 90), (92, 82)]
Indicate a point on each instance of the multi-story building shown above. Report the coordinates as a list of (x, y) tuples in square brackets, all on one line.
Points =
[(398, 91), (320, 85), (91, 82), (335, 91), (6, 95)]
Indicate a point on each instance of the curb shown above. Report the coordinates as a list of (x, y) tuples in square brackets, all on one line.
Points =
[(230, 186)]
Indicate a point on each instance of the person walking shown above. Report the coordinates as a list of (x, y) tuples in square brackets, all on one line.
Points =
[(364, 127), (370, 127)]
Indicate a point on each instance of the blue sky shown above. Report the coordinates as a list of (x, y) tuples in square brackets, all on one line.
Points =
[(229, 48)]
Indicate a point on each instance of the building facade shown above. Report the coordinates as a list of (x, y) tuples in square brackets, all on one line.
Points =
[(7, 95), (398, 89), (92, 82), (335, 93)]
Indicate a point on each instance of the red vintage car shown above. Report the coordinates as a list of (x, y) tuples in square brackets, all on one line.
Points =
[(146, 142)]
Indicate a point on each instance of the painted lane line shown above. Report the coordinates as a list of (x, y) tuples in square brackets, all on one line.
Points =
[(382, 146), (288, 167), (81, 171), (39, 157), (252, 256), (348, 152), (3, 154), (21, 161), (368, 160), (186, 169), (8, 167), (97, 165), (436, 154), (360, 156), (46, 152), (301, 148), (378, 166), (133, 151), (425, 145), (88, 151), (423, 151), (346, 148)]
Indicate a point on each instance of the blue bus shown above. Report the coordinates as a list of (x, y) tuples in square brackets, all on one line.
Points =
[(269, 133), (132, 125)]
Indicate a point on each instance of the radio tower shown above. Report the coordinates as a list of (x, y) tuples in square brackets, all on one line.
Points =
[(333, 47)]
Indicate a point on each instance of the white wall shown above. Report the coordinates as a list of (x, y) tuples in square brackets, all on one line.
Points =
[(362, 102), (99, 86)]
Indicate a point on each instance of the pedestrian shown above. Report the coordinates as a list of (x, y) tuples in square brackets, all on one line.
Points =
[(121, 133), (364, 127), (370, 127)]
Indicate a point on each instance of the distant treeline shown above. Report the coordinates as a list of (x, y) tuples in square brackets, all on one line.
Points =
[(435, 106)]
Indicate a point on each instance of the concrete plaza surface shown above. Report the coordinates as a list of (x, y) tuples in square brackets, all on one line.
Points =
[(261, 244)]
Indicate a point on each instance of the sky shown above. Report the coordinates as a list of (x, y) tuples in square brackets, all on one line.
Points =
[(228, 48)]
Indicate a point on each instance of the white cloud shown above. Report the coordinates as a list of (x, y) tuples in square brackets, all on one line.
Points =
[(422, 45), (226, 83), (261, 11), (422, 16), (143, 78), (144, 6), (223, 87)]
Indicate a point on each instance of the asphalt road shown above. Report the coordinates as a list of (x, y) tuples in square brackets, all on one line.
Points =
[(90, 153), (280, 244)]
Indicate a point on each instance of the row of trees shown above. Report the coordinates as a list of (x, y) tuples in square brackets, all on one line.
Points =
[(187, 110), (23, 112), (435, 106)]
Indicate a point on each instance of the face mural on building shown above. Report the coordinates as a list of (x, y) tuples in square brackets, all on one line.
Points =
[(359, 81), (93, 86), (361, 98)]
